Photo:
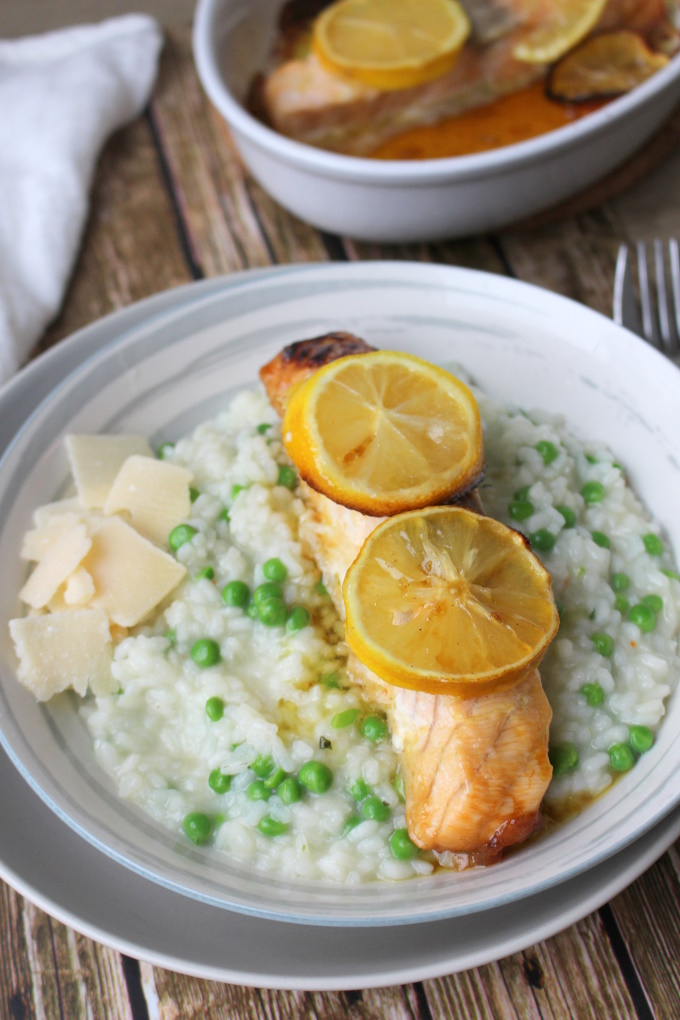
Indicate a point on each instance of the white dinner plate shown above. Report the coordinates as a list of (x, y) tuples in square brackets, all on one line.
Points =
[(176, 366)]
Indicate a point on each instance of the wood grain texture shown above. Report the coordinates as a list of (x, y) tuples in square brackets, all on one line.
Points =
[(131, 246)]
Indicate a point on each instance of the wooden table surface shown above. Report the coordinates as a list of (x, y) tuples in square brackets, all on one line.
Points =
[(172, 203)]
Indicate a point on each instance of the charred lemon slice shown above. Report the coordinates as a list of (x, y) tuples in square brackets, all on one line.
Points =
[(390, 44), (383, 432), (603, 67), (568, 22), (448, 601)]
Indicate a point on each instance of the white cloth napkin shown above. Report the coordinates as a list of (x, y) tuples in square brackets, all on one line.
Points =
[(61, 95)]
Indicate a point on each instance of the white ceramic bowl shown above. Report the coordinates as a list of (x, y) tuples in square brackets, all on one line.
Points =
[(400, 201), (175, 369)]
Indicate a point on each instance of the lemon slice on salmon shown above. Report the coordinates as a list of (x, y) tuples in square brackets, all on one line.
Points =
[(390, 44), (448, 601), (568, 22), (607, 65), (384, 432)]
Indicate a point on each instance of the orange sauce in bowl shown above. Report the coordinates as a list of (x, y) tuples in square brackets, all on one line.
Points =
[(514, 118)]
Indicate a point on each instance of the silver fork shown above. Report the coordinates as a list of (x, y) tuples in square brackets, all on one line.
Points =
[(657, 319)]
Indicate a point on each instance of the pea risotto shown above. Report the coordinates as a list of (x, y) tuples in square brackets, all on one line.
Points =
[(233, 720)]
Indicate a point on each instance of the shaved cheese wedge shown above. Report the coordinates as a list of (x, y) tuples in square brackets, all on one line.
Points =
[(96, 460), (62, 650), (154, 493), (59, 561), (79, 589), (45, 515), (130, 574)]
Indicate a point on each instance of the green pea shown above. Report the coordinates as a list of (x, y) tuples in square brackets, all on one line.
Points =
[(374, 728), (208, 573), (520, 510), (269, 826), (593, 694), (205, 652), (592, 492), (622, 604), (543, 540), (181, 534), (653, 544), (214, 709), (219, 819), (643, 617), (262, 766), (563, 758), (298, 619), (268, 590), (275, 779), (375, 810), (251, 610), (346, 718), (236, 593), (290, 790), (641, 738), (164, 449), (193, 494), (171, 636), (275, 570), (621, 757), (591, 458), (258, 791), (197, 827), (547, 450), (360, 789), (224, 515), (315, 776), (321, 588), (235, 489), (673, 574), (604, 643), (599, 538), (620, 582), (521, 495), (272, 612), (287, 477), (568, 514), (350, 824), (219, 781), (402, 846), (655, 602), (264, 427), (331, 680), (398, 784)]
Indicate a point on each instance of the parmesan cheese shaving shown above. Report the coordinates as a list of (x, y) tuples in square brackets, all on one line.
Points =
[(62, 650), (154, 493), (96, 460)]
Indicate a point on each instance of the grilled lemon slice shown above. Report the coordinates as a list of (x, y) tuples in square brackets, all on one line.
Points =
[(390, 45), (384, 432), (569, 21), (448, 601)]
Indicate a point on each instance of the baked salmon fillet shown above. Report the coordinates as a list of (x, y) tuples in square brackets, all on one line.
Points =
[(475, 769), (299, 97)]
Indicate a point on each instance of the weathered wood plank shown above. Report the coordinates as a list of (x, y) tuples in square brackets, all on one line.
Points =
[(648, 915), (131, 247), (47, 971), (230, 222), (573, 975), (16, 998)]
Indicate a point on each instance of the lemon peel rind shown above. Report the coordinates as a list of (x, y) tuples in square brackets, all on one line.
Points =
[(465, 685)]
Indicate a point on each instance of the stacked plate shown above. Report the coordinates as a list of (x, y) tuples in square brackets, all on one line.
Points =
[(161, 367)]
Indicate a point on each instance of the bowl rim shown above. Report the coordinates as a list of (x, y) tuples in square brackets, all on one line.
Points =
[(407, 173)]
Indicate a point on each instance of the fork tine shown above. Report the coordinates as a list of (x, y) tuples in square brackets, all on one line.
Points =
[(625, 310), (662, 300), (648, 325), (675, 284)]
